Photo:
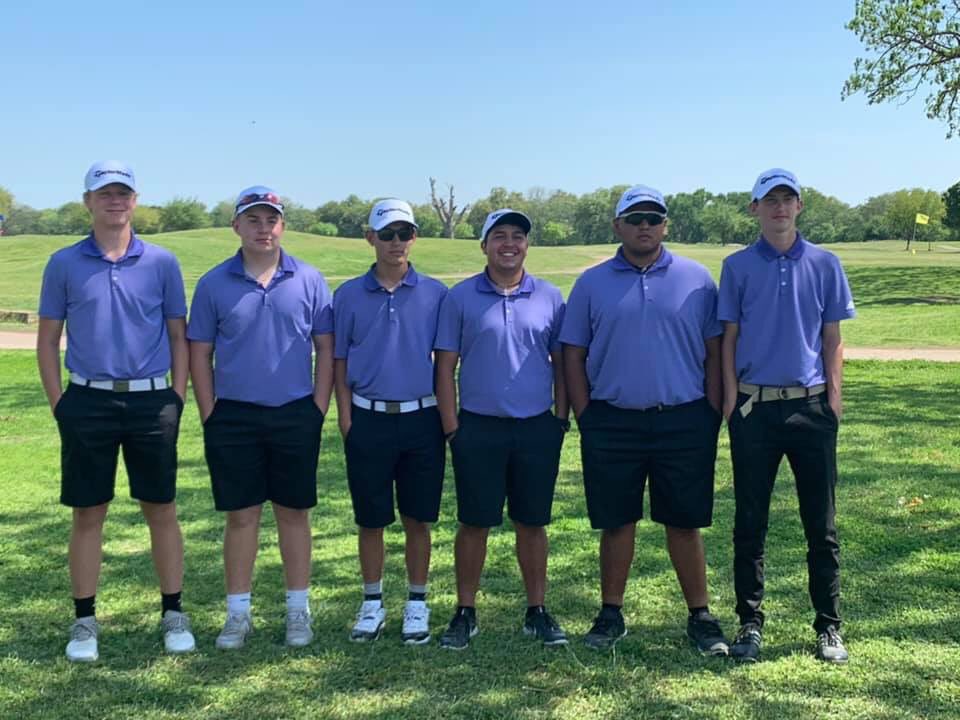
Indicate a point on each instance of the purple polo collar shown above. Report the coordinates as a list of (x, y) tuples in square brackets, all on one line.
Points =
[(134, 249), (286, 264), (620, 261), (768, 252), (370, 282), (485, 285)]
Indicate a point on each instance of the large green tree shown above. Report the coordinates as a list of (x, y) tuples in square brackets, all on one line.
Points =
[(146, 219), (221, 215), (902, 213), (6, 201), (23, 220), (184, 214), (910, 45), (723, 222), (951, 203), (825, 219)]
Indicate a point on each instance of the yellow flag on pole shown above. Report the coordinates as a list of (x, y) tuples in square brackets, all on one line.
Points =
[(922, 219)]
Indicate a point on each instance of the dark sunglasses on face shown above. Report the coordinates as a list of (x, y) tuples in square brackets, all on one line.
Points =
[(259, 198), (387, 235), (651, 218)]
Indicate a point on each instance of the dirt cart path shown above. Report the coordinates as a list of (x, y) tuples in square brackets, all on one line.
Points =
[(27, 340)]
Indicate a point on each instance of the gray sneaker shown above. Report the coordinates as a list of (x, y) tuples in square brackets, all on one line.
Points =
[(177, 637), (235, 631), (83, 640), (299, 630)]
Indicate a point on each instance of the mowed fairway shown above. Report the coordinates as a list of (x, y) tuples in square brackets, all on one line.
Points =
[(899, 506), (899, 519), (903, 299)]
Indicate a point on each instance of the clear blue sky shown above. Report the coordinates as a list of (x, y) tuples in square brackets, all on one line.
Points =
[(322, 99)]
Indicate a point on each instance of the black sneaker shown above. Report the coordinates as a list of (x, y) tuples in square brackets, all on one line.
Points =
[(705, 633), (607, 629), (830, 647), (458, 633), (746, 645), (542, 626)]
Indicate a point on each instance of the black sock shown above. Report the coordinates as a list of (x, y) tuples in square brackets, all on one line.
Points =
[(85, 607), (610, 607), (417, 596), (373, 596), (170, 601), (467, 610), (697, 610), (534, 609)]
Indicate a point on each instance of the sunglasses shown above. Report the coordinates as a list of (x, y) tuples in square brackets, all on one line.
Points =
[(259, 198), (387, 235), (651, 218)]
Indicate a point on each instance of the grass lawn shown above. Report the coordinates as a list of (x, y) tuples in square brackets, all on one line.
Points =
[(903, 299), (899, 522)]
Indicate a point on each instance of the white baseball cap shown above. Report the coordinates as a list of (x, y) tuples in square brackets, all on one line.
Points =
[(774, 177), (639, 194), (109, 171), (257, 195), (389, 211), (504, 216)]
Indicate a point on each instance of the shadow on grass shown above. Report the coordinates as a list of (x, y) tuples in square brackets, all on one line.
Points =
[(904, 285), (901, 579)]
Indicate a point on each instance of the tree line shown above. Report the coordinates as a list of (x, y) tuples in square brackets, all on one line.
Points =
[(559, 217)]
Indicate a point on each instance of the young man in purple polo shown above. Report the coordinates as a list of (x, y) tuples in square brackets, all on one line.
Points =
[(502, 326), (262, 315), (385, 323), (642, 360), (123, 304), (781, 302)]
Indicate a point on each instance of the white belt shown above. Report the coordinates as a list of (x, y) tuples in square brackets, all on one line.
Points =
[(156, 383), (766, 393), (392, 407)]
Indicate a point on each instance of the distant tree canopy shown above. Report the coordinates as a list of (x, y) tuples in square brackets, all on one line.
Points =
[(912, 44), (559, 217), (951, 202), (6, 201), (184, 214)]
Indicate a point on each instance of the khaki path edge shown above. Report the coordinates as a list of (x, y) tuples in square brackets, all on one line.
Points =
[(27, 340)]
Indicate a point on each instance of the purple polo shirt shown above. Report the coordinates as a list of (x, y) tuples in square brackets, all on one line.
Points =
[(781, 303), (387, 337), (115, 310), (504, 342), (262, 337), (644, 331)]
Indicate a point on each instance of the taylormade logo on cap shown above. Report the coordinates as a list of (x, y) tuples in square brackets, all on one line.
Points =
[(105, 172), (775, 177), (389, 211), (503, 217), (638, 194)]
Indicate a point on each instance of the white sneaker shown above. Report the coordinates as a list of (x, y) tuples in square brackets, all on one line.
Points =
[(370, 619), (299, 632), (177, 637), (235, 631), (416, 623), (83, 640)]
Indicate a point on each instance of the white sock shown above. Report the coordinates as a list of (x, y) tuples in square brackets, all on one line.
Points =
[(297, 600), (238, 604)]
